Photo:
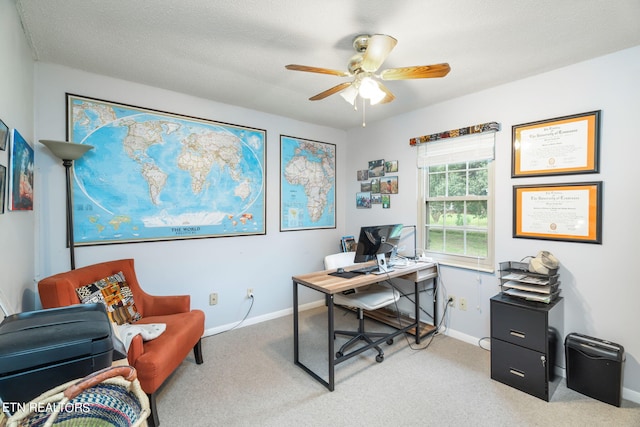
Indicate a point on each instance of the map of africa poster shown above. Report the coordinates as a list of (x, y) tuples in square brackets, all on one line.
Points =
[(307, 184), (154, 175)]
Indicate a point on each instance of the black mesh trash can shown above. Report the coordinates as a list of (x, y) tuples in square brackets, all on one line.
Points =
[(594, 367)]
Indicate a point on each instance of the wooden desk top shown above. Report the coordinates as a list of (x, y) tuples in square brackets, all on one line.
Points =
[(324, 282)]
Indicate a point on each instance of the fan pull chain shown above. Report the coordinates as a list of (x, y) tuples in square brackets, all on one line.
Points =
[(364, 124)]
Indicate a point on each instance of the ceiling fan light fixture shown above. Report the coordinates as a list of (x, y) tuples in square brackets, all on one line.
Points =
[(369, 89), (378, 96), (350, 94)]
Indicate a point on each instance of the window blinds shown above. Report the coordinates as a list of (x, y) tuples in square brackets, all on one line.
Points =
[(472, 147)]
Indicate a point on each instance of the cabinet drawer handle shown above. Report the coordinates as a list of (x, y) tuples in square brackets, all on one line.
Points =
[(516, 372), (517, 334)]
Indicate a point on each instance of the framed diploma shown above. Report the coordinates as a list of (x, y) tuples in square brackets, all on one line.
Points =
[(560, 146), (567, 212)]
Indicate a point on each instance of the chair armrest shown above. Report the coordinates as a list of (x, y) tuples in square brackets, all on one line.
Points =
[(163, 305), (136, 349), (57, 292)]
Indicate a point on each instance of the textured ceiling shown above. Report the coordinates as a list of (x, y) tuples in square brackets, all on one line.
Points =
[(235, 51)]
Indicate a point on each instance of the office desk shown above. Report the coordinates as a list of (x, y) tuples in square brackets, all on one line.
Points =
[(330, 285)]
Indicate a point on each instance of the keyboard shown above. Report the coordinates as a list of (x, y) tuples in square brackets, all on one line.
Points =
[(365, 270)]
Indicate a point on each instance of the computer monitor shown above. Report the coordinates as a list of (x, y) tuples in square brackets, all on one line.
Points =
[(377, 239)]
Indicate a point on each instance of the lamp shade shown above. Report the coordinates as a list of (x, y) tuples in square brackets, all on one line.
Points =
[(66, 150), (350, 94), (370, 89)]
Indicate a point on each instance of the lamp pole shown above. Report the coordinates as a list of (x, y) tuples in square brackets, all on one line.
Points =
[(68, 152), (70, 241)]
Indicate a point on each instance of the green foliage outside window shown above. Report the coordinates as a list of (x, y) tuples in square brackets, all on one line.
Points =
[(457, 201)]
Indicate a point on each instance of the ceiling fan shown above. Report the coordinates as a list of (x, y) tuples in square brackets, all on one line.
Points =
[(371, 52)]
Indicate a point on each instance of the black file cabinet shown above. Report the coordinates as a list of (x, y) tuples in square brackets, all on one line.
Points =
[(526, 344)]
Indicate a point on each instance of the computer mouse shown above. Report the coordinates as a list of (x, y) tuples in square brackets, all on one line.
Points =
[(340, 270)]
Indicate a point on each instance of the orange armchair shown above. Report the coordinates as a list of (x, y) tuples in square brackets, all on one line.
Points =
[(153, 360)]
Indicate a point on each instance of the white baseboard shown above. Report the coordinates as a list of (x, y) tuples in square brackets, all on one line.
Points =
[(259, 319), (465, 338), (631, 395)]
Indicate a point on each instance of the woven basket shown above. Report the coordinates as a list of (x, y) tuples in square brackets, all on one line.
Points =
[(110, 397)]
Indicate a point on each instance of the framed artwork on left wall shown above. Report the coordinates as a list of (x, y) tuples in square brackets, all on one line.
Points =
[(21, 174), (3, 185), (4, 135)]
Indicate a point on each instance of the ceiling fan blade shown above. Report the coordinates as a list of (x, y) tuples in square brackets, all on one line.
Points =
[(335, 89), (378, 48), (306, 68), (417, 72), (388, 95)]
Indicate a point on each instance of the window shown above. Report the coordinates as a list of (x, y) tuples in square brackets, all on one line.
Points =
[(457, 200)]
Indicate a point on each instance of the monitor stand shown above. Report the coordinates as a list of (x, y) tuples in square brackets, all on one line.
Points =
[(382, 265)]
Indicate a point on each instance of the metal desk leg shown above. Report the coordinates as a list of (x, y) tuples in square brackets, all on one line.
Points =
[(435, 302), (330, 334), (296, 352), (417, 298)]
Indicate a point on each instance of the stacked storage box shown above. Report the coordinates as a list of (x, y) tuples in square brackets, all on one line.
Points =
[(517, 281)]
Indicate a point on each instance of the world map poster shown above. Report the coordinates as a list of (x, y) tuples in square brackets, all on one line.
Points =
[(161, 176), (307, 184)]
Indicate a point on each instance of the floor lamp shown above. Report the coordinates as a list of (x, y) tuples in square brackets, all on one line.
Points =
[(68, 152)]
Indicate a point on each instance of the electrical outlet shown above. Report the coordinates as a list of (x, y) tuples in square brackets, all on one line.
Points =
[(249, 292), (452, 301), (463, 304), (213, 298)]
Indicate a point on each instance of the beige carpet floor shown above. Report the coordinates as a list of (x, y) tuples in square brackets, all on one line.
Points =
[(249, 379)]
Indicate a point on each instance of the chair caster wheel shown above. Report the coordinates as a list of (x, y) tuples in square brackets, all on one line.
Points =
[(390, 341), (379, 358), (339, 355)]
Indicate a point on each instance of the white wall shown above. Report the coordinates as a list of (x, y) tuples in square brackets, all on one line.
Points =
[(16, 110), (599, 282), (227, 265)]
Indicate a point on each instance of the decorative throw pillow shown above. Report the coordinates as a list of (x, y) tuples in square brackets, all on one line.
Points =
[(115, 294)]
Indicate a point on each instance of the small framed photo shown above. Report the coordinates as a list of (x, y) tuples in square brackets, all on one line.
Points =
[(376, 168), (386, 201), (363, 200), (365, 186), (363, 175), (389, 185), (390, 166), (348, 244), (376, 199), (375, 185), (4, 135), (3, 181)]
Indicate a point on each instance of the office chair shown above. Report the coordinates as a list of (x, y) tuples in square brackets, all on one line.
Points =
[(371, 297)]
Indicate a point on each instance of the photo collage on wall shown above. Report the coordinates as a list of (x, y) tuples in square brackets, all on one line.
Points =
[(377, 184)]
